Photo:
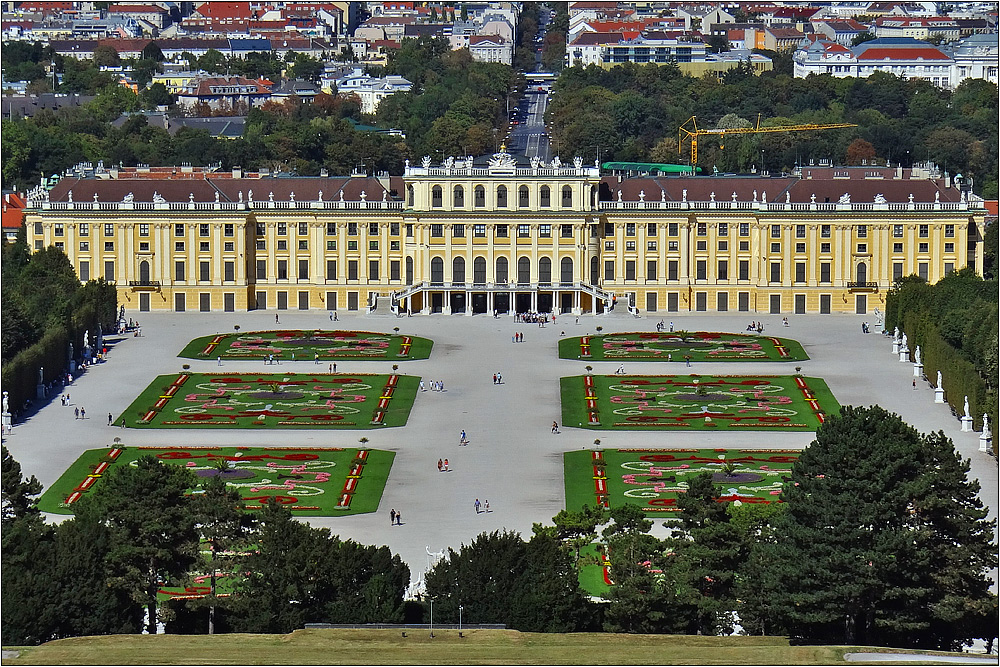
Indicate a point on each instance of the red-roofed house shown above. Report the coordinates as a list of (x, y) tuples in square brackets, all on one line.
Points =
[(234, 94), (917, 27), (155, 16), (491, 49), (13, 215), (589, 47), (900, 56), (840, 31), (222, 11)]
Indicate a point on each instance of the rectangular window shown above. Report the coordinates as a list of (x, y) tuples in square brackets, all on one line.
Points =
[(609, 245), (282, 269), (744, 229), (650, 229), (261, 269), (303, 245), (775, 231), (479, 231), (775, 272), (922, 270), (204, 271), (800, 248), (630, 269), (824, 248), (178, 246), (282, 245), (144, 246), (260, 229), (862, 248), (775, 247), (702, 229), (393, 229), (373, 245), (178, 230), (723, 269), (352, 228), (303, 228), (203, 229), (630, 245), (409, 230), (58, 229), (229, 271), (393, 245), (331, 244), (109, 271), (800, 231), (331, 269), (523, 231), (651, 245), (109, 246), (744, 246), (352, 269), (672, 269), (949, 267), (672, 246), (85, 271), (437, 231), (331, 229), (609, 270), (672, 229), (629, 229), (372, 229), (85, 246), (948, 247), (179, 272), (702, 246), (949, 231), (609, 229), (651, 269), (303, 269), (373, 270), (109, 229), (923, 247), (924, 231), (282, 229), (897, 247), (261, 244), (501, 231), (800, 272), (723, 229), (544, 231), (897, 270), (458, 231), (701, 270), (228, 229), (862, 231), (824, 231), (143, 229), (824, 272), (394, 269), (204, 246), (566, 231), (897, 231)]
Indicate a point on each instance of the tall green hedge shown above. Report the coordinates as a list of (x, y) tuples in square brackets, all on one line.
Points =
[(955, 324)]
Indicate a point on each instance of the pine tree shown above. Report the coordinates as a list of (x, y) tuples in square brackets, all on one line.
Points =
[(17, 492)]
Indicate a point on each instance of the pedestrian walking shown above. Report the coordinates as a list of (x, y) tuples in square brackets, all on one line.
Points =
[(422, 387), (477, 505), (446, 469), (462, 439), (914, 383), (335, 318), (276, 318), (494, 378), (110, 419), (440, 465), (499, 378), (487, 506), (76, 413), (83, 413), (441, 385), (392, 516), (335, 367), (687, 360), (555, 427), (220, 360), (331, 316), (399, 518), (316, 358), (330, 368), (671, 327)]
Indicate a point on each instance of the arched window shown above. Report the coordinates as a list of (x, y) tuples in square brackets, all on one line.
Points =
[(595, 271), (458, 270), (409, 195), (566, 270), (436, 197), (144, 271), (524, 270), (480, 194), (502, 196), (479, 270), (437, 270), (409, 270), (458, 197), (544, 197), (544, 270), (862, 273), (501, 276), (567, 196), (522, 196)]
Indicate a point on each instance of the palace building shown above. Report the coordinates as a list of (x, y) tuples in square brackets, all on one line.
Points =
[(500, 233)]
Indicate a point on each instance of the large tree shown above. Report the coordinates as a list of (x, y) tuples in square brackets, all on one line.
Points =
[(884, 540), (152, 527)]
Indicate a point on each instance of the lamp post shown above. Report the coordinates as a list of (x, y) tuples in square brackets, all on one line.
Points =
[(460, 608), (432, 616)]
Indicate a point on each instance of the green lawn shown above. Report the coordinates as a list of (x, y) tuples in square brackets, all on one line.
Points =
[(675, 346), (273, 400), (309, 481), (304, 345), (653, 478), (695, 402), (591, 570), (446, 647)]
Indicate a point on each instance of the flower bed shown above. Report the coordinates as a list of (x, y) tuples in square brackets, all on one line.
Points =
[(309, 481), (700, 402), (304, 345), (263, 400), (653, 479), (676, 346)]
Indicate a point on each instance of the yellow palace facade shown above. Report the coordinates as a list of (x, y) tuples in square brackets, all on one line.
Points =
[(496, 234)]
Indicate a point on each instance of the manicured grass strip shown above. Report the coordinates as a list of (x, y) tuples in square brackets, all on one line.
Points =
[(653, 479), (389, 647), (675, 346), (273, 400), (308, 481), (695, 402), (592, 572), (305, 344)]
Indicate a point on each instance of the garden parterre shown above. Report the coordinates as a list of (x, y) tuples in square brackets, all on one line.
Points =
[(306, 344), (679, 346)]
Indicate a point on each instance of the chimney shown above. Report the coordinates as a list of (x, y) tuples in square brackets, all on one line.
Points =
[(237, 172)]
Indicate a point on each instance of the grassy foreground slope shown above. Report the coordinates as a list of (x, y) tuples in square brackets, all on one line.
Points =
[(388, 647)]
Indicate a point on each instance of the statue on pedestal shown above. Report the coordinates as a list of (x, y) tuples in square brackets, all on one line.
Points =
[(916, 355), (967, 413), (938, 385), (987, 433)]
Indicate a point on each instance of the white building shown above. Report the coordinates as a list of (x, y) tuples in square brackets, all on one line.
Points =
[(904, 57), (974, 57), (491, 49), (917, 27), (371, 90)]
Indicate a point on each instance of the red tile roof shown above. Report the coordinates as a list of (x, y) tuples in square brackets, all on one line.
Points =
[(876, 53), (595, 38), (992, 206), (12, 216), (225, 10), (138, 9)]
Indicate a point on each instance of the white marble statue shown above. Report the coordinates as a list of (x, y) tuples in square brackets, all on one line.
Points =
[(6, 404), (880, 199), (987, 433), (128, 199), (895, 334), (903, 344), (967, 413), (845, 198), (916, 355), (158, 198), (938, 385)]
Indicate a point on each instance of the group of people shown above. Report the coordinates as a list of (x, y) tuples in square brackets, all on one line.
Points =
[(755, 326), (660, 326), (784, 321), (443, 465), (395, 518), (497, 378), (864, 328), (482, 507), (541, 319), (517, 337), (436, 385)]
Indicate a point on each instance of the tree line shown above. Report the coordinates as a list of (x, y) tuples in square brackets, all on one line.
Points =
[(45, 308), (631, 113), (880, 540), (954, 321)]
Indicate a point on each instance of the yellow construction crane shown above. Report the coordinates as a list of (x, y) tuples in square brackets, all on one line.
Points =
[(684, 132)]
